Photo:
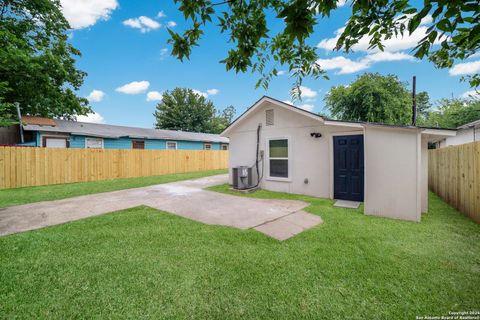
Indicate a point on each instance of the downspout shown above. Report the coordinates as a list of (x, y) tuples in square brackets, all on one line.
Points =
[(259, 179), (19, 114)]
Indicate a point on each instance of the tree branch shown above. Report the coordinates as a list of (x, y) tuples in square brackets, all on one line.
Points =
[(223, 2)]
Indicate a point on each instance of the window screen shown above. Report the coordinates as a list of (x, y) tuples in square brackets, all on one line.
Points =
[(207, 146), (171, 145), (138, 144), (93, 143)]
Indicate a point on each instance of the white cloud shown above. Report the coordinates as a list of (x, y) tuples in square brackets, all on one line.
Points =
[(212, 92), (347, 66), (344, 65), (171, 24), (96, 96), (387, 56), (209, 92), (145, 24), (394, 44), (94, 117), (134, 87), (341, 3), (85, 13), (154, 96), (307, 92), (200, 93), (281, 72), (161, 14), (163, 53), (305, 106), (465, 68), (475, 55), (472, 94)]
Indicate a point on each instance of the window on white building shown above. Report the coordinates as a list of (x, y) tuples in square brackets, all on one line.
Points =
[(278, 158)]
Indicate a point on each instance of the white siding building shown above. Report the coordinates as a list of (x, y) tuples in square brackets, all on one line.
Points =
[(469, 132), (383, 166)]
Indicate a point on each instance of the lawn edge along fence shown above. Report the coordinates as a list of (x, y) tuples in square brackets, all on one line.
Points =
[(24, 167), (454, 174)]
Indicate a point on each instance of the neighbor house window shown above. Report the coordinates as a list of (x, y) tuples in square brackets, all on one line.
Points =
[(94, 143), (207, 146), (138, 144), (224, 147), (278, 158), (55, 142), (171, 145)]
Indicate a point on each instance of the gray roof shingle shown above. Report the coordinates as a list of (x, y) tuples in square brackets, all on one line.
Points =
[(115, 132)]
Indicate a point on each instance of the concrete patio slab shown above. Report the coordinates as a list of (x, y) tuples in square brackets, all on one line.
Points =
[(289, 226), (183, 198), (347, 204)]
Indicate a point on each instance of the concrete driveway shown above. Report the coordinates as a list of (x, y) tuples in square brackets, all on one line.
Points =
[(280, 219)]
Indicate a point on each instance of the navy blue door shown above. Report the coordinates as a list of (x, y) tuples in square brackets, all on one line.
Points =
[(348, 167)]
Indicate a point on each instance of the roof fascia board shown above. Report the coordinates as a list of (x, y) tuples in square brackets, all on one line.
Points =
[(440, 132), (343, 124)]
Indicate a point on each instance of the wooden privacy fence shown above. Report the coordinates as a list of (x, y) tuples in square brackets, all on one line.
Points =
[(23, 167), (454, 174)]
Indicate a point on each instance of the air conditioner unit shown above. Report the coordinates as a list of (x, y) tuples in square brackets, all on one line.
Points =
[(242, 177)]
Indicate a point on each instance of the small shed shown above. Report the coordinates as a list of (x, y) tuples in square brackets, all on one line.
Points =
[(383, 166)]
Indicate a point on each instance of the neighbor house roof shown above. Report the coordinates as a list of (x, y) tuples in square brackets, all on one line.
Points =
[(38, 120), (112, 131), (473, 124), (323, 120)]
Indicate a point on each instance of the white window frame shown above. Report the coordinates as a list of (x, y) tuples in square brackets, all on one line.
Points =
[(223, 145), (289, 159), (205, 146), (86, 143), (167, 142)]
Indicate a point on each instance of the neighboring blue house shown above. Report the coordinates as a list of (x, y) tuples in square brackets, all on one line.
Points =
[(42, 132)]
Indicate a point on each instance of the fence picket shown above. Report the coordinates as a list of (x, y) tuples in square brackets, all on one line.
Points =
[(454, 174), (24, 167)]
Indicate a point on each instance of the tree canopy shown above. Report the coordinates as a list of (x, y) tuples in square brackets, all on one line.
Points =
[(452, 113), (452, 33), (7, 110), (37, 64), (373, 97), (183, 109)]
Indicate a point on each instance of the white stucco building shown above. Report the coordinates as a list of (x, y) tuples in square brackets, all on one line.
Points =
[(469, 132), (383, 166)]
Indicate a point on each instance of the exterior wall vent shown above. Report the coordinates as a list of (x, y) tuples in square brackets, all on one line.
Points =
[(269, 120)]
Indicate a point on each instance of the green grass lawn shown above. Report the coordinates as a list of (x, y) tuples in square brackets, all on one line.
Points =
[(12, 197), (144, 263)]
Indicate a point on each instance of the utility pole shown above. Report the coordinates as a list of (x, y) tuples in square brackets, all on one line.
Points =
[(19, 114), (414, 101)]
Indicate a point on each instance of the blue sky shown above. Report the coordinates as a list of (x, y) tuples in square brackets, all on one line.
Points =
[(126, 55)]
